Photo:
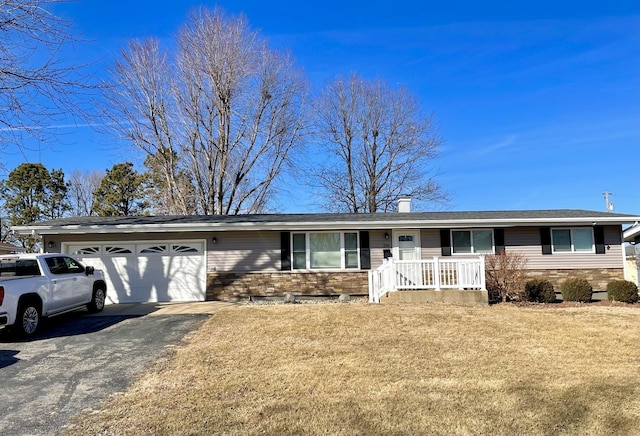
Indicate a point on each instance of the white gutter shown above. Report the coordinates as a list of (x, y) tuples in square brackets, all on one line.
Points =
[(316, 225)]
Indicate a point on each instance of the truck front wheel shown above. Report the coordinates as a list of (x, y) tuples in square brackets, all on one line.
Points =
[(97, 301), (28, 319)]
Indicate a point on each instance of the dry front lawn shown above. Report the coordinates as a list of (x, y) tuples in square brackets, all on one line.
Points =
[(360, 369)]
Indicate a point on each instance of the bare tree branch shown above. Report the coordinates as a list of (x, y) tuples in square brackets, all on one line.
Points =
[(227, 107), (82, 185), (36, 88), (378, 147)]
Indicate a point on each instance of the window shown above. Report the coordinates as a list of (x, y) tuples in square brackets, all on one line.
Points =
[(63, 265), (73, 266), (577, 240), (19, 267), (180, 248), (86, 251), (114, 250), (472, 241), (152, 249), (351, 250), (325, 250), (299, 251)]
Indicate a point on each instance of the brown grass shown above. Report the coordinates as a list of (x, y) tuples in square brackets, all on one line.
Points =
[(382, 369)]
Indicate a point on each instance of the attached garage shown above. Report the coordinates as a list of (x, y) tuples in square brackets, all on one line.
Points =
[(147, 271)]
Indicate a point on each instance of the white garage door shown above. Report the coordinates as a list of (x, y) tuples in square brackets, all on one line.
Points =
[(148, 271)]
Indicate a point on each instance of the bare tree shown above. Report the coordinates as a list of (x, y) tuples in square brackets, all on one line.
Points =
[(165, 199), (226, 112), (36, 88), (82, 185), (378, 147)]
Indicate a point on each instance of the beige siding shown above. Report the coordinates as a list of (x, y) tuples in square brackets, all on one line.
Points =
[(244, 251), (260, 251), (527, 241), (430, 243), (378, 244)]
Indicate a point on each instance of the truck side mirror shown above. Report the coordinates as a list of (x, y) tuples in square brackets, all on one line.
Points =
[(89, 270)]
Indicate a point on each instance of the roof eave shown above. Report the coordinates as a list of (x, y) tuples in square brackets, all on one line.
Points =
[(630, 234), (320, 225)]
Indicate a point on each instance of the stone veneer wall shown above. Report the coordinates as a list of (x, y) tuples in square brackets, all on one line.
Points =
[(598, 278), (233, 286)]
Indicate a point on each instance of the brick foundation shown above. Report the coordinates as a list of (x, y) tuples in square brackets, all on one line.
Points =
[(233, 286), (598, 278)]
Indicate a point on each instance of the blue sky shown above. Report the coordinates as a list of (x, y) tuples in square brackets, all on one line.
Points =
[(538, 104)]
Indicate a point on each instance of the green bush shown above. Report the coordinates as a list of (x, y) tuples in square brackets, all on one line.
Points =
[(622, 290), (576, 289), (539, 291)]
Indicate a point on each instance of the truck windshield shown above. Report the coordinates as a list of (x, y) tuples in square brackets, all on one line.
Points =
[(19, 267)]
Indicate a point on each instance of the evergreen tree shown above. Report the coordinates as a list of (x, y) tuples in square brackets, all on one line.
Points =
[(122, 192), (32, 193), (57, 204)]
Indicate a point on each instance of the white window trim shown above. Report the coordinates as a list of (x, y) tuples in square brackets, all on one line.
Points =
[(307, 250), (573, 248), (473, 250)]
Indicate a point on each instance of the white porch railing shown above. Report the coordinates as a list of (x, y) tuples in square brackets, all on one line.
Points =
[(437, 273)]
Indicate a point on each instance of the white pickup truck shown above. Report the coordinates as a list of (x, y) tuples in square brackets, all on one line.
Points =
[(33, 286)]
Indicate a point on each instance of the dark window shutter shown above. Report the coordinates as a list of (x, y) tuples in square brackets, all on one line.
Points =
[(445, 242), (285, 251), (498, 235), (365, 250), (598, 236), (545, 240)]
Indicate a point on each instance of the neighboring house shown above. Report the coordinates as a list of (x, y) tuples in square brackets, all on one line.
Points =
[(632, 251), (191, 258), (6, 248)]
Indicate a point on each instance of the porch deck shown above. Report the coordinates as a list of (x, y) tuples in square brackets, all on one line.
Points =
[(459, 280)]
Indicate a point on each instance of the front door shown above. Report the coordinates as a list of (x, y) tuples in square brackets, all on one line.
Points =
[(406, 244), (407, 248)]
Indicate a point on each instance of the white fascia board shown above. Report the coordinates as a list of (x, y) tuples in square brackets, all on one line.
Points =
[(630, 234), (316, 225)]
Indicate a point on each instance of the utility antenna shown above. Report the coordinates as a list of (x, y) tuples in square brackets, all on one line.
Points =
[(608, 204)]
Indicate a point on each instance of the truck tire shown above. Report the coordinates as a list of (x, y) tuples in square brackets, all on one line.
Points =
[(28, 318), (97, 301)]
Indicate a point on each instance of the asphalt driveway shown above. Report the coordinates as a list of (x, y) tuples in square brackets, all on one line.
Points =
[(77, 360)]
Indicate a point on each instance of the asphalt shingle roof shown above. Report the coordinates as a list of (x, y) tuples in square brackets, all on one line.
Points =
[(472, 216)]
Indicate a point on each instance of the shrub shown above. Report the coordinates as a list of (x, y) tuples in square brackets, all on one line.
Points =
[(505, 274), (576, 289), (622, 290), (539, 291)]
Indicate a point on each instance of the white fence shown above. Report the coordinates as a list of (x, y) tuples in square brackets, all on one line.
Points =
[(437, 273)]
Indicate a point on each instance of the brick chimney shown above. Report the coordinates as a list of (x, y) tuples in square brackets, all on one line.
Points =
[(404, 204)]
